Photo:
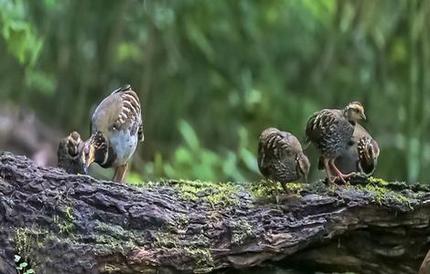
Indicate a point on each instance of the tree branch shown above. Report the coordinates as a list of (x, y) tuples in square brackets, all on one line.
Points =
[(61, 223)]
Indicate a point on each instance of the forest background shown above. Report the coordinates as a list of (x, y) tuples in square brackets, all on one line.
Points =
[(212, 75)]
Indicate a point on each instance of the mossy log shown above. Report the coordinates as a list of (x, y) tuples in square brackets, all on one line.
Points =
[(61, 223)]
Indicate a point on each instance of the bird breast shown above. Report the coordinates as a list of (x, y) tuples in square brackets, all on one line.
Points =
[(123, 144)]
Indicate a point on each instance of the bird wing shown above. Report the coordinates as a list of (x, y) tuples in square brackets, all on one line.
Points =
[(359, 133), (328, 128), (277, 154), (320, 123), (120, 110)]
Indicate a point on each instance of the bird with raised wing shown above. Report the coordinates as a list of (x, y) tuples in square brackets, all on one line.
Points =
[(361, 155), (116, 129), (331, 131)]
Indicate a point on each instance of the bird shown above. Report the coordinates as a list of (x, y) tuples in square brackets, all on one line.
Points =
[(68, 153), (425, 265), (281, 158), (116, 129), (331, 131), (361, 155)]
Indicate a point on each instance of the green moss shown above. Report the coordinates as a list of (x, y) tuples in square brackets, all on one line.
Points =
[(182, 221), (65, 226), (381, 194), (263, 189), (202, 258), (23, 241), (213, 193), (165, 240), (114, 237), (27, 241), (266, 189), (379, 181), (242, 230), (295, 187), (69, 214), (65, 221), (199, 240)]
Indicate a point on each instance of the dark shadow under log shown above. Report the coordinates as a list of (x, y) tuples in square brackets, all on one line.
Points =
[(60, 223)]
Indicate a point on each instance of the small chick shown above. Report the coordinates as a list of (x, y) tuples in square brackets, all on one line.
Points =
[(281, 158), (69, 153)]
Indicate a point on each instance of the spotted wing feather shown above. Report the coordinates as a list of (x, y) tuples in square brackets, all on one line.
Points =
[(119, 111), (277, 155), (329, 131)]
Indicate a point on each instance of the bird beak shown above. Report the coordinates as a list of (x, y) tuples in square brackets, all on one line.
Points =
[(363, 116), (88, 156)]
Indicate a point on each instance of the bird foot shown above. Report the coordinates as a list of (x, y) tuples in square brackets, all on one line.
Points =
[(339, 175), (289, 198)]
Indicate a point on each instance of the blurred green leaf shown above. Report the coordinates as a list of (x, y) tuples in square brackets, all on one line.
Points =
[(231, 68), (189, 135), (40, 81)]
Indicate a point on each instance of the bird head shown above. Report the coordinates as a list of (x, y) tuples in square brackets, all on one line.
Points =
[(354, 112), (95, 150), (73, 142), (68, 153), (303, 166)]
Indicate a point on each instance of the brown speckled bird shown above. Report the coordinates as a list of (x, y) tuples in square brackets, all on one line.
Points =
[(361, 155), (116, 129), (331, 131), (68, 153), (281, 158)]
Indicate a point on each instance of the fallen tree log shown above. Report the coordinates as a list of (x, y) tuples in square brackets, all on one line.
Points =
[(61, 223)]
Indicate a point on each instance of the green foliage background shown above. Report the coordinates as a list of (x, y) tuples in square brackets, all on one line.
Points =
[(213, 74)]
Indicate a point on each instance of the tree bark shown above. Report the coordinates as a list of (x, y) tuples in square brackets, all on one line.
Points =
[(61, 223)]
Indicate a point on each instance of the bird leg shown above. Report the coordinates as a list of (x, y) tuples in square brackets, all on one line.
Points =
[(120, 173), (330, 176), (339, 174), (286, 189)]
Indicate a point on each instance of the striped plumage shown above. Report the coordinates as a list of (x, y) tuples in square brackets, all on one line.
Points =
[(331, 131), (280, 157), (361, 155), (116, 129), (68, 153), (368, 151)]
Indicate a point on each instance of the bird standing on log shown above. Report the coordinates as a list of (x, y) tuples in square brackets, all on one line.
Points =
[(116, 129), (331, 131), (361, 155), (281, 158)]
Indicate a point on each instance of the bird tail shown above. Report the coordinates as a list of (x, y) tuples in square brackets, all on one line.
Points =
[(140, 134), (123, 88)]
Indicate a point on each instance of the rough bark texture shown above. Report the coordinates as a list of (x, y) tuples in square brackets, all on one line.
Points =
[(60, 223)]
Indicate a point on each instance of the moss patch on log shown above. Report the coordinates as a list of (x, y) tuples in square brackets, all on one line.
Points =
[(382, 194), (213, 193)]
